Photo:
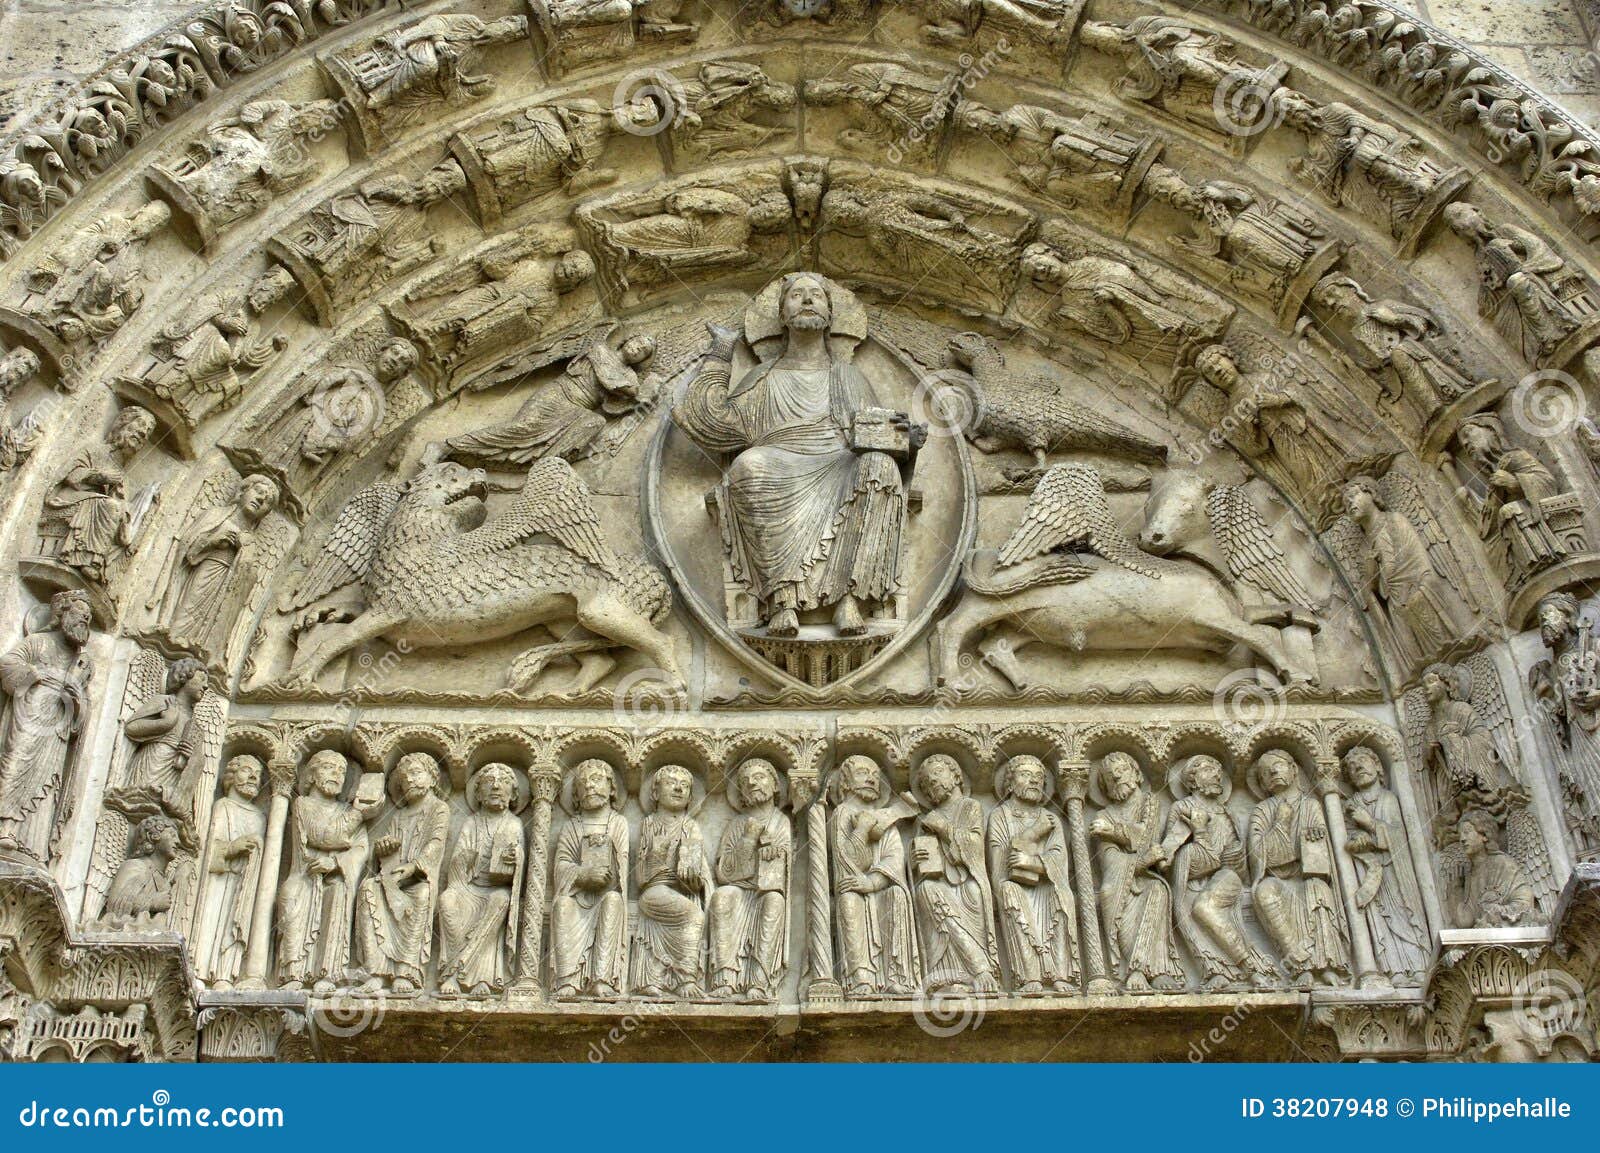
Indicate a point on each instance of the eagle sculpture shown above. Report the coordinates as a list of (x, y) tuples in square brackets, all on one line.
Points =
[(1008, 410)]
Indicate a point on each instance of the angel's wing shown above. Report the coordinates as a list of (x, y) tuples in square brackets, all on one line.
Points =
[(269, 545), (1524, 838), (1246, 541), (1415, 715), (219, 489), (1401, 493), (1489, 702), (1348, 546), (923, 342), (349, 549), (563, 348), (1069, 508), (459, 277), (198, 788), (554, 502), (677, 347), (147, 679), (1323, 395)]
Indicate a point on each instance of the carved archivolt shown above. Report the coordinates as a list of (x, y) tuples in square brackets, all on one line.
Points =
[(1090, 467)]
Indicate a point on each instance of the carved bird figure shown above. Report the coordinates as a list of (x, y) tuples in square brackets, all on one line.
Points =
[(1027, 412)]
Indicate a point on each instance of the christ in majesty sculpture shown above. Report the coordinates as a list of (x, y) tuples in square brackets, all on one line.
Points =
[(813, 503)]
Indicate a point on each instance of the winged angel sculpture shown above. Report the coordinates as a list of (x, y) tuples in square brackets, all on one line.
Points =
[(164, 767), (1459, 728), (432, 568), (1398, 557)]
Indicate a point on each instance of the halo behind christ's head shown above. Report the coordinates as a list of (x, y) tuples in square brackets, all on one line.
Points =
[(763, 316)]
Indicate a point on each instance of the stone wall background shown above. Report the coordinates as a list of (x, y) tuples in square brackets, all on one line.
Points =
[(44, 44)]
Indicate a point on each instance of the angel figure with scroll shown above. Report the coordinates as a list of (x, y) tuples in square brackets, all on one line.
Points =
[(163, 729), (172, 726), (430, 567), (1459, 728), (1271, 413)]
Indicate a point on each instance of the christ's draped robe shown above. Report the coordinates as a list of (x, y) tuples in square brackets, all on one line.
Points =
[(801, 511)]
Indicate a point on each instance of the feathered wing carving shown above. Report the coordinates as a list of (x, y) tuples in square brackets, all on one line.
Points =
[(1449, 858), (919, 339), (147, 679), (1401, 493), (1524, 836), (1246, 541), (350, 547), (199, 785), (1310, 386), (1068, 509), (553, 502), (677, 347), (1348, 546)]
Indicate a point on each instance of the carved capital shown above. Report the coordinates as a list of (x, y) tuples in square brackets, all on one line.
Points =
[(1392, 1030), (281, 776), (544, 782), (802, 789), (1074, 778), (1326, 776)]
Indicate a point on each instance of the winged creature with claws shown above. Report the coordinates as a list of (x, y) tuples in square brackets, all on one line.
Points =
[(434, 569)]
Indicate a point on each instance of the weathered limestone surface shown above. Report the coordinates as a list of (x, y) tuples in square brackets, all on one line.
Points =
[(961, 532)]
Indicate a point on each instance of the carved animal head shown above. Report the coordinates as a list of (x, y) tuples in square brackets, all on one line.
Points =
[(443, 498), (973, 352), (1175, 518), (731, 81)]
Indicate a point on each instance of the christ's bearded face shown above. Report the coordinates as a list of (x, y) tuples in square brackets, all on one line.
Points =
[(805, 305)]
